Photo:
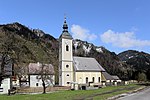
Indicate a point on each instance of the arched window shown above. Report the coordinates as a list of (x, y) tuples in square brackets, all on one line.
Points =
[(67, 48), (99, 79), (93, 79), (86, 79), (37, 84)]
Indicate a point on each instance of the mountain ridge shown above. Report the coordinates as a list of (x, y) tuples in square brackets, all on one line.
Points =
[(39, 46)]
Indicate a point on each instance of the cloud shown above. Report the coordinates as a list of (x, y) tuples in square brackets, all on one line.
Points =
[(123, 40), (81, 33)]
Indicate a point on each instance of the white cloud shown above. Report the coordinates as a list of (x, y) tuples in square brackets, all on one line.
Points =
[(123, 40), (81, 33)]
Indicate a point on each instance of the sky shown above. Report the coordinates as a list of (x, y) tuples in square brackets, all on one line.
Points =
[(118, 25)]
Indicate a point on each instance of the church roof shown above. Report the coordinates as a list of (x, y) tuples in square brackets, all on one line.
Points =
[(87, 64), (65, 33)]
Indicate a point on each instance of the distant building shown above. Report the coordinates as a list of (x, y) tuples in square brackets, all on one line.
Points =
[(5, 86), (116, 78), (76, 71), (109, 79), (35, 72)]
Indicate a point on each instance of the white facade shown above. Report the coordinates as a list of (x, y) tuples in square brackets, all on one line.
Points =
[(65, 57), (5, 86), (65, 62), (35, 82), (85, 77)]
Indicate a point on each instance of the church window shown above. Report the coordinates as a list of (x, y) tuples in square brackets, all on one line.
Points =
[(67, 74), (67, 66), (37, 84), (67, 48), (93, 79), (86, 79), (99, 79)]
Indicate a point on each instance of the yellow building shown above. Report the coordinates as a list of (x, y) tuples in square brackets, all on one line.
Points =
[(76, 70)]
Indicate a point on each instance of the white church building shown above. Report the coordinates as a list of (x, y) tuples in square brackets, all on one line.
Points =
[(76, 70)]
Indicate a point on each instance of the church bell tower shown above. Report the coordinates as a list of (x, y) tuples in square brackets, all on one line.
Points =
[(65, 57)]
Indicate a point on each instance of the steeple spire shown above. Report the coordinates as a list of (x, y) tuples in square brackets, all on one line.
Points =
[(65, 33), (65, 26)]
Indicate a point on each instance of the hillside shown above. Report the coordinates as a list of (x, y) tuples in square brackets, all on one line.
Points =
[(33, 45), (26, 43), (139, 61)]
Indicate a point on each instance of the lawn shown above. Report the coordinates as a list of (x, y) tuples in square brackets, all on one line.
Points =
[(99, 94)]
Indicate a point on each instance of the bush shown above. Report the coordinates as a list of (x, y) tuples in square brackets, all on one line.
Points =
[(142, 77)]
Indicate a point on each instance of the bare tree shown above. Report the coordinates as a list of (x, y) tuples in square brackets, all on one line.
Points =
[(5, 67), (6, 57), (46, 75), (10, 55), (20, 70)]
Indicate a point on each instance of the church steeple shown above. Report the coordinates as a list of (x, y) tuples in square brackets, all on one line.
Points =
[(65, 26), (65, 33), (65, 57)]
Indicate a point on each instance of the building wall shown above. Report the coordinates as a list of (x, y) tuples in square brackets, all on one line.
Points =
[(63, 54), (34, 82), (65, 62), (81, 77), (67, 78), (15, 83), (5, 86), (103, 78)]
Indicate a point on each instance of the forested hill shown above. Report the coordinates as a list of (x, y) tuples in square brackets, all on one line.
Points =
[(34, 45), (28, 45), (139, 61)]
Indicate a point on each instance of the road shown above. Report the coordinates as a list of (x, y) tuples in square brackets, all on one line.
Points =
[(142, 95)]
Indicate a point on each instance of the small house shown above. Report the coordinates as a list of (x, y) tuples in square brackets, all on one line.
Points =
[(5, 86), (107, 79), (36, 70)]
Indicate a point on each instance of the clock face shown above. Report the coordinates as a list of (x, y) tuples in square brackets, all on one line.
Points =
[(66, 42)]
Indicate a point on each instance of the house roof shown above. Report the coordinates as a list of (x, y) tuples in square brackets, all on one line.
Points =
[(107, 76), (36, 68), (116, 77), (86, 64)]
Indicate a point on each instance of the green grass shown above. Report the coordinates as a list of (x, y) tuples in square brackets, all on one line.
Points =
[(74, 95)]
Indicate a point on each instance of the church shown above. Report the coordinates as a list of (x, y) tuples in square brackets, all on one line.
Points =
[(75, 70)]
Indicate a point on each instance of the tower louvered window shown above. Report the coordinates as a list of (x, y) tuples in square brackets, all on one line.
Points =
[(67, 48)]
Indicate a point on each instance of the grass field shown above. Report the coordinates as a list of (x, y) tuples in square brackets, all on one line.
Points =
[(99, 94)]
